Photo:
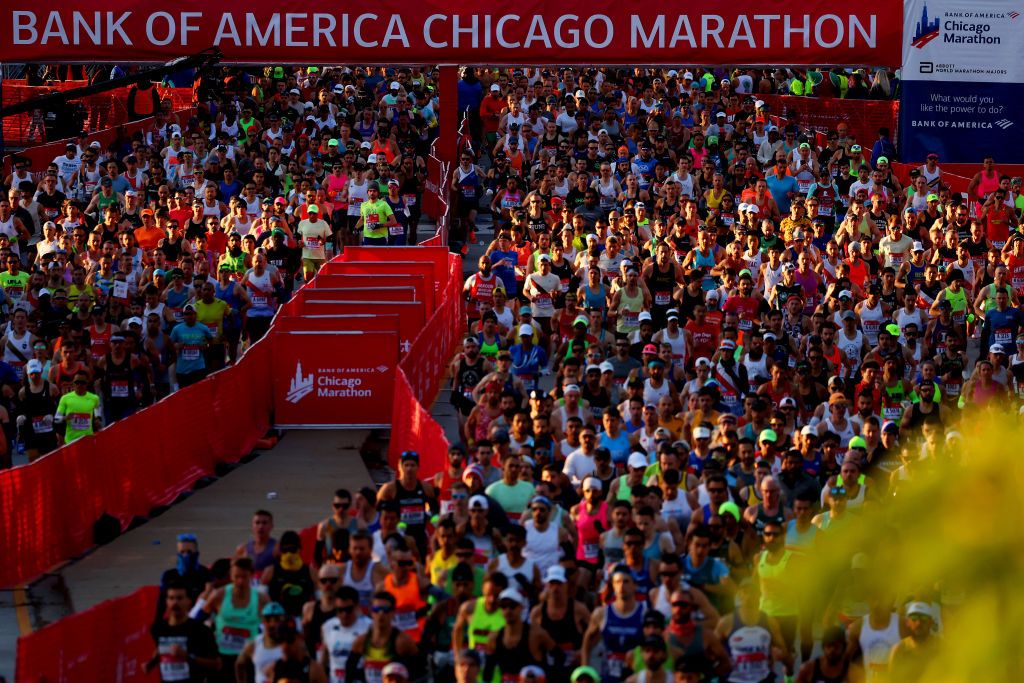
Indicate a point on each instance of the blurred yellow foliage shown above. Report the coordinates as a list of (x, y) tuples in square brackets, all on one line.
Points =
[(953, 534)]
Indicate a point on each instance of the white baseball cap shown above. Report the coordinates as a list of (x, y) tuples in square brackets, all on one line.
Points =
[(395, 85), (592, 483), (526, 330), (636, 461), (495, 87)]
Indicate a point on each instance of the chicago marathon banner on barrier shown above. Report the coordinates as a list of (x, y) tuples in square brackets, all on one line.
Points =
[(963, 80), (457, 31)]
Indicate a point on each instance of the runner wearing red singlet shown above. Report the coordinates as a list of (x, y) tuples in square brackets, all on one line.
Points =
[(99, 333), (703, 332), (1013, 257), (745, 305), (999, 218)]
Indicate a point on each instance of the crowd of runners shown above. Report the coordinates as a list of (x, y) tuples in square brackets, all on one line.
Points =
[(699, 344), (136, 268)]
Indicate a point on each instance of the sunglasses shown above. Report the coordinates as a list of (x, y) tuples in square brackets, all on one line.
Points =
[(770, 534), (405, 563), (509, 605), (682, 604), (328, 580), (380, 609), (345, 609)]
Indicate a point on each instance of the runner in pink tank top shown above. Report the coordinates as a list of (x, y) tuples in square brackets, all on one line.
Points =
[(591, 518)]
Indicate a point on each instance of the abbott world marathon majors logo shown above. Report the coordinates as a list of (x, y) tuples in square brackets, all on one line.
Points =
[(330, 383)]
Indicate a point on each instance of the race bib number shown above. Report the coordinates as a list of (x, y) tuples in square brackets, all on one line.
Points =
[(405, 620), (372, 220), (119, 389), (616, 663), (396, 230), (1002, 336), (259, 300), (746, 325), (892, 412), (232, 639), (80, 421), (16, 292), (631, 318), (42, 424), (412, 514), (190, 352), (312, 242), (173, 667), (662, 298), (410, 199), (591, 551)]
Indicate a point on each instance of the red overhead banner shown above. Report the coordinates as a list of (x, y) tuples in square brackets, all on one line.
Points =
[(332, 380), (395, 32)]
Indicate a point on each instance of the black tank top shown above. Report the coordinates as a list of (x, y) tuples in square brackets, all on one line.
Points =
[(411, 508), (661, 285), (291, 671), (509, 660), (763, 519), (470, 375), (567, 636), (820, 677), (194, 230), (291, 588), (38, 404), (119, 380)]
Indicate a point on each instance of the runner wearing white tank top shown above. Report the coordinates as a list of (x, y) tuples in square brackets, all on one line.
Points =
[(903, 319), (678, 344), (542, 546), (338, 640), (263, 657), (653, 394), (871, 321), (772, 277), (356, 196), (876, 644), (853, 348)]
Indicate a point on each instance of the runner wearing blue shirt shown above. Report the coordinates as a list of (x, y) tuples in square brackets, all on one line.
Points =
[(190, 341), (782, 186), (527, 359)]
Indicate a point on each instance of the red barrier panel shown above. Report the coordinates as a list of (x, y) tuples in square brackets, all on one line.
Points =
[(864, 117), (367, 282), (420, 376), (42, 155), (415, 429), (397, 268), (47, 508), (334, 380), (436, 255), (388, 322), (404, 293), (411, 314), (102, 110), (109, 642)]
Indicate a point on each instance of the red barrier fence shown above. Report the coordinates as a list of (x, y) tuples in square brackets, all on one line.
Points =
[(48, 508), (41, 155), (109, 642), (103, 110), (864, 117), (419, 377)]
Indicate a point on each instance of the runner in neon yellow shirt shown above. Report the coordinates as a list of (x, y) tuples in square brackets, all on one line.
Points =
[(375, 217), (80, 409)]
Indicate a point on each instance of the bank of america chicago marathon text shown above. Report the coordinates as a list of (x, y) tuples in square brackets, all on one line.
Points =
[(477, 31)]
